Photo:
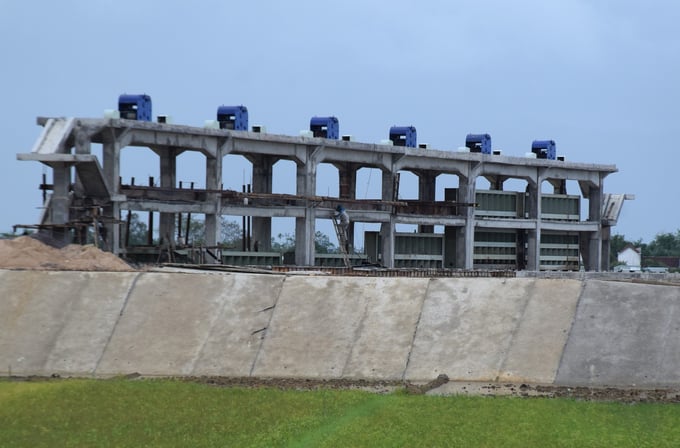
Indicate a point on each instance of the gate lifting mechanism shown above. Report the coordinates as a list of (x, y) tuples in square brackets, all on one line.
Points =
[(544, 149), (325, 127), (404, 136), (233, 117), (135, 107), (478, 143)]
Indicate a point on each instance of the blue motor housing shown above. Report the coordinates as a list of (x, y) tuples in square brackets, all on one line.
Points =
[(404, 136), (478, 143), (325, 127), (135, 107), (233, 117), (544, 149)]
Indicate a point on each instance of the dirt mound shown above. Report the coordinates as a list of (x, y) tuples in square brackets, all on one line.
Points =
[(25, 252)]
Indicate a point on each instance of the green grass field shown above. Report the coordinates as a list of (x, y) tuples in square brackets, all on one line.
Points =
[(159, 413)]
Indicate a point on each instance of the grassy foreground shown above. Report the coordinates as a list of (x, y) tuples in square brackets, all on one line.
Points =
[(158, 413)]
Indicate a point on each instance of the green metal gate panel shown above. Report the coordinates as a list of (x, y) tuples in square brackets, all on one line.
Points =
[(507, 204), (561, 207), (559, 251), (495, 249)]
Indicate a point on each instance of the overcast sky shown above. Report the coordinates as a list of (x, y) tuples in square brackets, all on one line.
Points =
[(600, 77)]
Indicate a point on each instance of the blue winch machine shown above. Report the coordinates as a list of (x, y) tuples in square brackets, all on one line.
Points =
[(404, 136)]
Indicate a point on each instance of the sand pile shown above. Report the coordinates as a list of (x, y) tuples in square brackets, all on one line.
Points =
[(28, 253)]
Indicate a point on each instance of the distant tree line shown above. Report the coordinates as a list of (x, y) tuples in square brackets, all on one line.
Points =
[(663, 245), (231, 236)]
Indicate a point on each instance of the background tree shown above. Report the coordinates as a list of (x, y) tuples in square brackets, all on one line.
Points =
[(664, 245), (196, 231), (616, 245), (284, 242), (322, 244), (138, 231), (231, 234)]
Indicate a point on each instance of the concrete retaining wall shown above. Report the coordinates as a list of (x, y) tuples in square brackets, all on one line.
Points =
[(564, 331)]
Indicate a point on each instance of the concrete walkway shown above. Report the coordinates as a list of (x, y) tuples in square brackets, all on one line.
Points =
[(534, 330)]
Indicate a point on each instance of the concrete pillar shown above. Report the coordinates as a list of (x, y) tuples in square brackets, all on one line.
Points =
[(168, 169), (213, 182), (263, 176), (606, 247), (111, 165), (465, 242), (82, 145), (347, 183), (387, 234), (533, 209), (451, 233), (387, 230), (496, 182), (427, 181), (559, 186), (595, 198), (61, 200), (111, 169), (305, 227)]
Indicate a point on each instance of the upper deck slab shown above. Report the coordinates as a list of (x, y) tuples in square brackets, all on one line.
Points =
[(317, 150)]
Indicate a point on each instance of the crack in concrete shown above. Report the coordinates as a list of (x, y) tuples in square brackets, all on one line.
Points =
[(115, 325), (415, 330), (264, 330)]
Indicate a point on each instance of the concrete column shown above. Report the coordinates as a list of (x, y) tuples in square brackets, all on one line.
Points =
[(465, 242), (305, 228), (606, 247), (168, 161), (111, 169), (263, 176), (347, 182), (213, 181), (61, 200), (496, 182), (427, 181), (387, 230), (82, 146), (451, 233), (559, 186), (595, 198), (533, 209)]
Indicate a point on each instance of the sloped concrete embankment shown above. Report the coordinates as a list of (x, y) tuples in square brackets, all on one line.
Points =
[(530, 330)]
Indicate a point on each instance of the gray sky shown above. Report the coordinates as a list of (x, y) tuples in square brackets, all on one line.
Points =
[(600, 77)]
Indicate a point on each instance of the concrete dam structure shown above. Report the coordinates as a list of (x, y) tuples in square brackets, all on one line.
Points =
[(561, 331)]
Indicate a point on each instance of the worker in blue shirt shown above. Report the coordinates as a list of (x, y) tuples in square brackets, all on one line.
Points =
[(341, 217)]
